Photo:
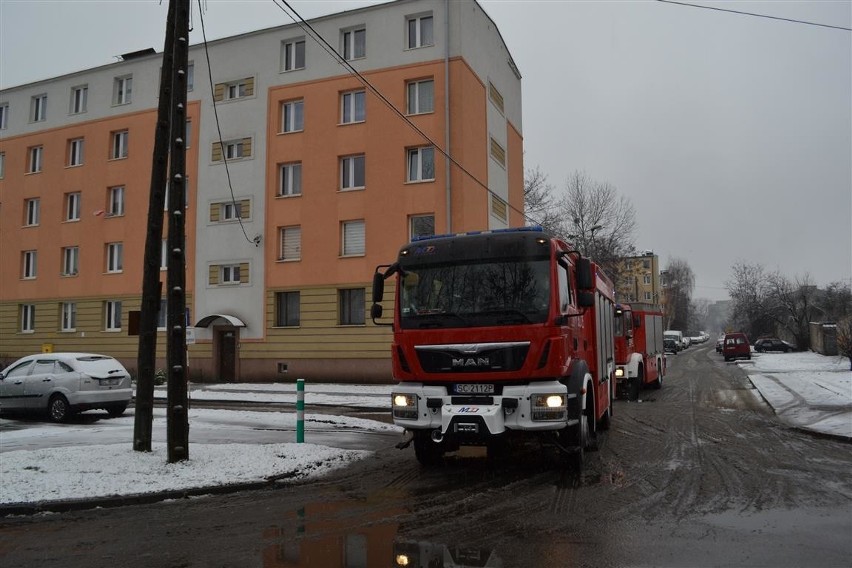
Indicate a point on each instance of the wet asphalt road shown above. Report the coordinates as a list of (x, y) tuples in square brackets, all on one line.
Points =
[(699, 473)]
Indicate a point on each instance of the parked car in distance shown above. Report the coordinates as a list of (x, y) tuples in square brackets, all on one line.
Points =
[(772, 344), (736, 346), (62, 384), (670, 345)]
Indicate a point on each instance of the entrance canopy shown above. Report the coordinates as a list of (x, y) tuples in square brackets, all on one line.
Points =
[(232, 320)]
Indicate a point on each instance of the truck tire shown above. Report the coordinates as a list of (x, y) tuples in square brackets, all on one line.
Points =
[(636, 384), (658, 383), (428, 452)]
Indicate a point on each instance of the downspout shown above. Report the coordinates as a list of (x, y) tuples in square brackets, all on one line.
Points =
[(447, 163)]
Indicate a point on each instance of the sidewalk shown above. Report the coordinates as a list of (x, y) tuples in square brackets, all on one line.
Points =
[(807, 391)]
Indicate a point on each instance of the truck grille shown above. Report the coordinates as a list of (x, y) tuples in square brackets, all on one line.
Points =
[(472, 358)]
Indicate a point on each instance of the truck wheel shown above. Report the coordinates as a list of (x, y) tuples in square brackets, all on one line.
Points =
[(428, 453), (658, 383), (636, 384), (576, 438)]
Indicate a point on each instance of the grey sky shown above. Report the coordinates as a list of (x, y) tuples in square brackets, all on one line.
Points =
[(732, 135)]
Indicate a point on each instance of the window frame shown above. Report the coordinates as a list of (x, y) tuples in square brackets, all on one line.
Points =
[(38, 108), (230, 211), (73, 206), (115, 207), (122, 93), (287, 179), (119, 148), (349, 106), (35, 162), (416, 83), (417, 41), (349, 43), (290, 57), (27, 316), (230, 270), (29, 264), (68, 316), (296, 120), (115, 257), (76, 152), (411, 221), (4, 116), (348, 313), (344, 242), (419, 151), (70, 260), (32, 212), (283, 308), (79, 103), (295, 232), (112, 315), (349, 172)]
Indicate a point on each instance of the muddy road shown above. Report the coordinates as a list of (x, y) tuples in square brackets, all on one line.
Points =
[(699, 473)]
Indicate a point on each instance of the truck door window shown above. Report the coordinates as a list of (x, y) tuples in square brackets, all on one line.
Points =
[(564, 288)]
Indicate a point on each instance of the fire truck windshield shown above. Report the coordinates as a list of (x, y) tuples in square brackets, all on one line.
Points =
[(490, 293)]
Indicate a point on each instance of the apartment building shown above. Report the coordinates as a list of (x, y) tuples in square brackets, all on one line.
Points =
[(315, 181), (639, 279)]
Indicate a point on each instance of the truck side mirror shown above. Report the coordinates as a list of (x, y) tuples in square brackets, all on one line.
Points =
[(376, 311), (585, 299), (584, 274), (378, 287)]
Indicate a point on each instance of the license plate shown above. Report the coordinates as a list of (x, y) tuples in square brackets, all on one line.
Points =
[(473, 388), (467, 428), (109, 382)]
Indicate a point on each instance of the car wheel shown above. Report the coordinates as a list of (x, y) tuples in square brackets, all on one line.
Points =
[(116, 410), (58, 408)]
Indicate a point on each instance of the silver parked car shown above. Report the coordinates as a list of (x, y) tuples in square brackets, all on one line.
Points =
[(64, 383)]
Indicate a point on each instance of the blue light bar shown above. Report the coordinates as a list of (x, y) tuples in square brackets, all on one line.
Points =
[(536, 229)]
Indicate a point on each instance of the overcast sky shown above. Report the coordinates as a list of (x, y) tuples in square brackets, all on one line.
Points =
[(731, 134)]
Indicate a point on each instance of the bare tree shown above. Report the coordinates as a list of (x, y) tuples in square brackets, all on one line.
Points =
[(540, 202), (679, 284), (748, 288), (597, 221), (836, 301), (699, 311), (791, 304)]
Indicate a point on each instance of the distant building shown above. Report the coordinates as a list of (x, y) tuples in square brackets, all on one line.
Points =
[(640, 279), (326, 183)]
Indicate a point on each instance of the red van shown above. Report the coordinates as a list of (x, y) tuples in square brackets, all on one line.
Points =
[(736, 345)]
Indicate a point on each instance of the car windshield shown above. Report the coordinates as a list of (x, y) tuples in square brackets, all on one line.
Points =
[(476, 294), (98, 365)]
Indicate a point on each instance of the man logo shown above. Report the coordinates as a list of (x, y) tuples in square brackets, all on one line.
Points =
[(471, 362)]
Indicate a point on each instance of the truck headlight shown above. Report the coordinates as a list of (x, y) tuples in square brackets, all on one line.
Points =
[(619, 372), (404, 405), (548, 407)]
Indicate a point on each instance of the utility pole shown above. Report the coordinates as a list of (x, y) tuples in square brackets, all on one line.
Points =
[(177, 413), (147, 355)]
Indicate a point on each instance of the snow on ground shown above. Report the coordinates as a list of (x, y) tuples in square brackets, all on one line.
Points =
[(805, 361), (363, 396), (108, 470)]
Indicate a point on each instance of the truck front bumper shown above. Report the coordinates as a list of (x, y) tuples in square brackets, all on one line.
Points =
[(537, 407)]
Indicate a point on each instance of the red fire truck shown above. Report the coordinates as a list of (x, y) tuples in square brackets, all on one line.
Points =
[(639, 354), (499, 335)]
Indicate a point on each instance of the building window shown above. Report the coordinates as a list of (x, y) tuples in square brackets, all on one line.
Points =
[(112, 315), (498, 153), (31, 212), (27, 318), (2, 165), (499, 208), (287, 311), (38, 108), (646, 279), (421, 164), (4, 116), (164, 254), (79, 99), (421, 96), (354, 43), (114, 257), (68, 316), (420, 31), (230, 274), (185, 194), (646, 264), (115, 201), (231, 211), (190, 76), (163, 314), (495, 97), (234, 90), (72, 206), (232, 150), (293, 54), (351, 306), (290, 182), (122, 92), (292, 116), (352, 172), (352, 107), (291, 243), (36, 158), (119, 144), (75, 152), (70, 261), (29, 259), (421, 226), (187, 135), (352, 238), (648, 296)]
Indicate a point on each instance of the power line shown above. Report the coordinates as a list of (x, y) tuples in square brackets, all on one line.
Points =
[(792, 20), (237, 208), (307, 28)]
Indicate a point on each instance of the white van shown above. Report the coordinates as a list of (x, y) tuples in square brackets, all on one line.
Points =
[(677, 336)]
